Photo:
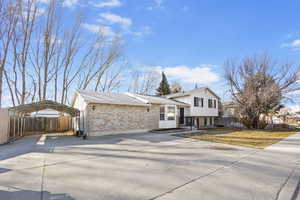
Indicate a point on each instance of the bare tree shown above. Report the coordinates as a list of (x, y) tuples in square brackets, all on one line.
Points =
[(8, 23), (101, 55), (259, 85), (112, 79), (46, 48), (27, 14), (176, 87), (144, 82), (48, 59)]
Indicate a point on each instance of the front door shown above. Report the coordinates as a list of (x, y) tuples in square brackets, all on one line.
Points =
[(181, 116)]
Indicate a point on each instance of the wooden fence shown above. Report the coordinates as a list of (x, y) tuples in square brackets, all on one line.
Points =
[(47, 125), (4, 126), (14, 127)]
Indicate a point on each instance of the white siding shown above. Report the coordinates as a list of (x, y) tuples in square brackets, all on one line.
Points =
[(81, 105), (200, 111), (167, 124)]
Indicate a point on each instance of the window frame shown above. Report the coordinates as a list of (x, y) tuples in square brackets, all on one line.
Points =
[(196, 101), (162, 112), (173, 108), (210, 104)]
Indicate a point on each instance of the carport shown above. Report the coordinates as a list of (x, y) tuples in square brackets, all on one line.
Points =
[(16, 121)]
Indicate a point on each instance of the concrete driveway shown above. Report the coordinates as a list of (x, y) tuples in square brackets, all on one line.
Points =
[(147, 167)]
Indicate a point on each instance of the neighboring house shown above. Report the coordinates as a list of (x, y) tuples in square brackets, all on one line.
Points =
[(46, 113), (229, 115), (110, 113), (203, 110), (229, 109)]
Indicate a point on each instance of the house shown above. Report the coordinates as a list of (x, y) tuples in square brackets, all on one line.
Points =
[(229, 109), (229, 115), (110, 113), (203, 110)]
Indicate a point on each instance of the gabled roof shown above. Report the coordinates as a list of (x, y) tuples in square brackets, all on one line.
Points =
[(158, 100), (124, 99), (109, 98), (228, 103), (182, 94)]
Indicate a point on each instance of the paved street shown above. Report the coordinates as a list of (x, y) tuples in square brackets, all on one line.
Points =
[(147, 166)]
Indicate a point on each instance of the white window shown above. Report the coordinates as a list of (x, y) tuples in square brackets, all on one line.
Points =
[(210, 103), (196, 101), (162, 113), (171, 113)]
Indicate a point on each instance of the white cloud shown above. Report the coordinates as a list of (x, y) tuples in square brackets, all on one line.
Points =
[(294, 45), (150, 8), (65, 3), (33, 13), (159, 3), (125, 23), (108, 3), (156, 4), (201, 74), (116, 19), (43, 1), (105, 30), (145, 30), (69, 3)]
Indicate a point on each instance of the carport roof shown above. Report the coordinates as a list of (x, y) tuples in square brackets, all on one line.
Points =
[(42, 105)]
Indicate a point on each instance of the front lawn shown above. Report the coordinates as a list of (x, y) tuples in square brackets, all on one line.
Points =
[(257, 139)]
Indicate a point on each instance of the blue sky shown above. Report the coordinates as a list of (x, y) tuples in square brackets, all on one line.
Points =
[(191, 39)]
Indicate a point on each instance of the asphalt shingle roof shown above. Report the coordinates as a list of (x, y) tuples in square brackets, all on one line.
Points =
[(181, 94), (125, 99), (109, 98)]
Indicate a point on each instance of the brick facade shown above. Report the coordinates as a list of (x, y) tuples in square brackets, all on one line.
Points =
[(113, 119)]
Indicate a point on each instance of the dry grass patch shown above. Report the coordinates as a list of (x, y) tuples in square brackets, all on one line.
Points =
[(249, 138)]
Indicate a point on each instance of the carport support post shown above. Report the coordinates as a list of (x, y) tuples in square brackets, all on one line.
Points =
[(19, 125), (78, 121), (14, 135), (23, 124), (9, 126)]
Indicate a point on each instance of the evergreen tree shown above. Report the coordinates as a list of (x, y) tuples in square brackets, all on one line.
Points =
[(164, 87)]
